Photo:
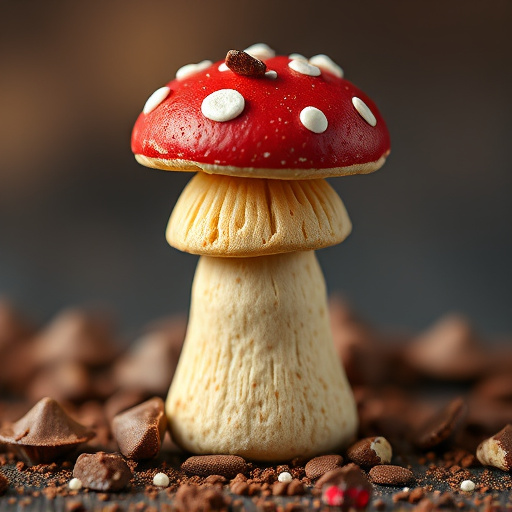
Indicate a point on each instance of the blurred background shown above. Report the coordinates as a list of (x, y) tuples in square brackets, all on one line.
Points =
[(82, 223)]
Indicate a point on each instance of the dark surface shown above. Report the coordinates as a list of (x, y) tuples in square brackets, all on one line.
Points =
[(82, 222)]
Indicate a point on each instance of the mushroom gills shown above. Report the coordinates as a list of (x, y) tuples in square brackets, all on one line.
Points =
[(258, 375)]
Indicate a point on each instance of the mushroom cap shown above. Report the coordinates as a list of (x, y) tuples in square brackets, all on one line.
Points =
[(239, 217), (306, 122)]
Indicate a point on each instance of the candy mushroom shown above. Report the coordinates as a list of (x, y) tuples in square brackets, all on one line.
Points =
[(258, 375)]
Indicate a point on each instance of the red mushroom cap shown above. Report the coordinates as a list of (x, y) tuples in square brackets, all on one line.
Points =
[(306, 122)]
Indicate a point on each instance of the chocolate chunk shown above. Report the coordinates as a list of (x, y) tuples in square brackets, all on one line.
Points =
[(4, 484), (318, 466), (442, 425), (497, 451), (102, 471), (190, 498), (45, 433), (244, 64), (225, 465), (139, 431), (371, 451), (390, 475)]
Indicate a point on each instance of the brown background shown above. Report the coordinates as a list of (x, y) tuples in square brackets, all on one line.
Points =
[(81, 222)]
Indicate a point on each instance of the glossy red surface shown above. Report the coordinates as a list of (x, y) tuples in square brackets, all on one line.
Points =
[(268, 133)]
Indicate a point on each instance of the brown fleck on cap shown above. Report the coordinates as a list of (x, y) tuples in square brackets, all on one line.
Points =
[(139, 431), (225, 465), (244, 64), (45, 433), (390, 475), (102, 471), (318, 466)]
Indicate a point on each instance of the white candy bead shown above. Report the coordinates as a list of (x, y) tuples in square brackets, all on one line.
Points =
[(190, 69), (324, 62), (304, 68), (260, 51), (223, 105), (75, 484), (155, 99), (161, 480), (364, 111), (314, 119), (285, 477), (467, 486)]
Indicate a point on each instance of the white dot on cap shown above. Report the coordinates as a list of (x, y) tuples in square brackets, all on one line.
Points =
[(190, 69), (364, 111), (260, 51), (314, 119), (297, 56), (223, 67), (161, 480), (303, 67), (326, 63), (271, 74), (223, 105), (155, 99)]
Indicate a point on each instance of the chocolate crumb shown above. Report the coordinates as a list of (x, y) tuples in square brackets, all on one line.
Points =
[(102, 471), (244, 64), (4, 484)]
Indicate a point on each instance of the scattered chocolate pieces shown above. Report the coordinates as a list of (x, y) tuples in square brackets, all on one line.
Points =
[(497, 450), (102, 471), (225, 465), (4, 484), (371, 451), (442, 425), (318, 466), (242, 63), (45, 433), (191, 498), (391, 475), (139, 431)]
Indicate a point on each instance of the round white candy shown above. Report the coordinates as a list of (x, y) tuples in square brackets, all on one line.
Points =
[(190, 69), (223, 105), (314, 119), (364, 111), (324, 62), (285, 477), (260, 51), (155, 99), (467, 486), (75, 484), (161, 480), (304, 68), (271, 74)]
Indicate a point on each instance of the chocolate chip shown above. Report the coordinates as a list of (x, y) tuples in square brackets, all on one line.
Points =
[(371, 451), (244, 64), (139, 431), (497, 451), (4, 484), (45, 433), (102, 471), (318, 466), (442, 425), (205, 465), (390, 475)]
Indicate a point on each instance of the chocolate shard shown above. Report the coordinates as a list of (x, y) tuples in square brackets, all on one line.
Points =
[(139, 431), (497, 450), (45, 433), (225, 465), (391, 475), (442, 426), (244, 64), (102, 471), (318, 466)]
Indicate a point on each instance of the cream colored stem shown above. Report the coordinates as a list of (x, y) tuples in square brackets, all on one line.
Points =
[(258, 375)]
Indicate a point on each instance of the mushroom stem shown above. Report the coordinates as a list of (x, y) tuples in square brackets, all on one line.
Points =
[(258, 375)]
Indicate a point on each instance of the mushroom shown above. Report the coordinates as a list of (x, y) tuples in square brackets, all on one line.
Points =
[(258, 375)]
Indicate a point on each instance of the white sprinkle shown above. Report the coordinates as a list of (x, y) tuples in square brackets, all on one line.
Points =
[(285, 477), (223, 67), (161, 480), (266, 154), (304, 68), (364, 111), (297, 56), (75, 484), (467, 486), (406, 489), (260, 51), (223, 105), (155, 99), (190, 69), (271, 74), (324, 62), (313, 119)]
